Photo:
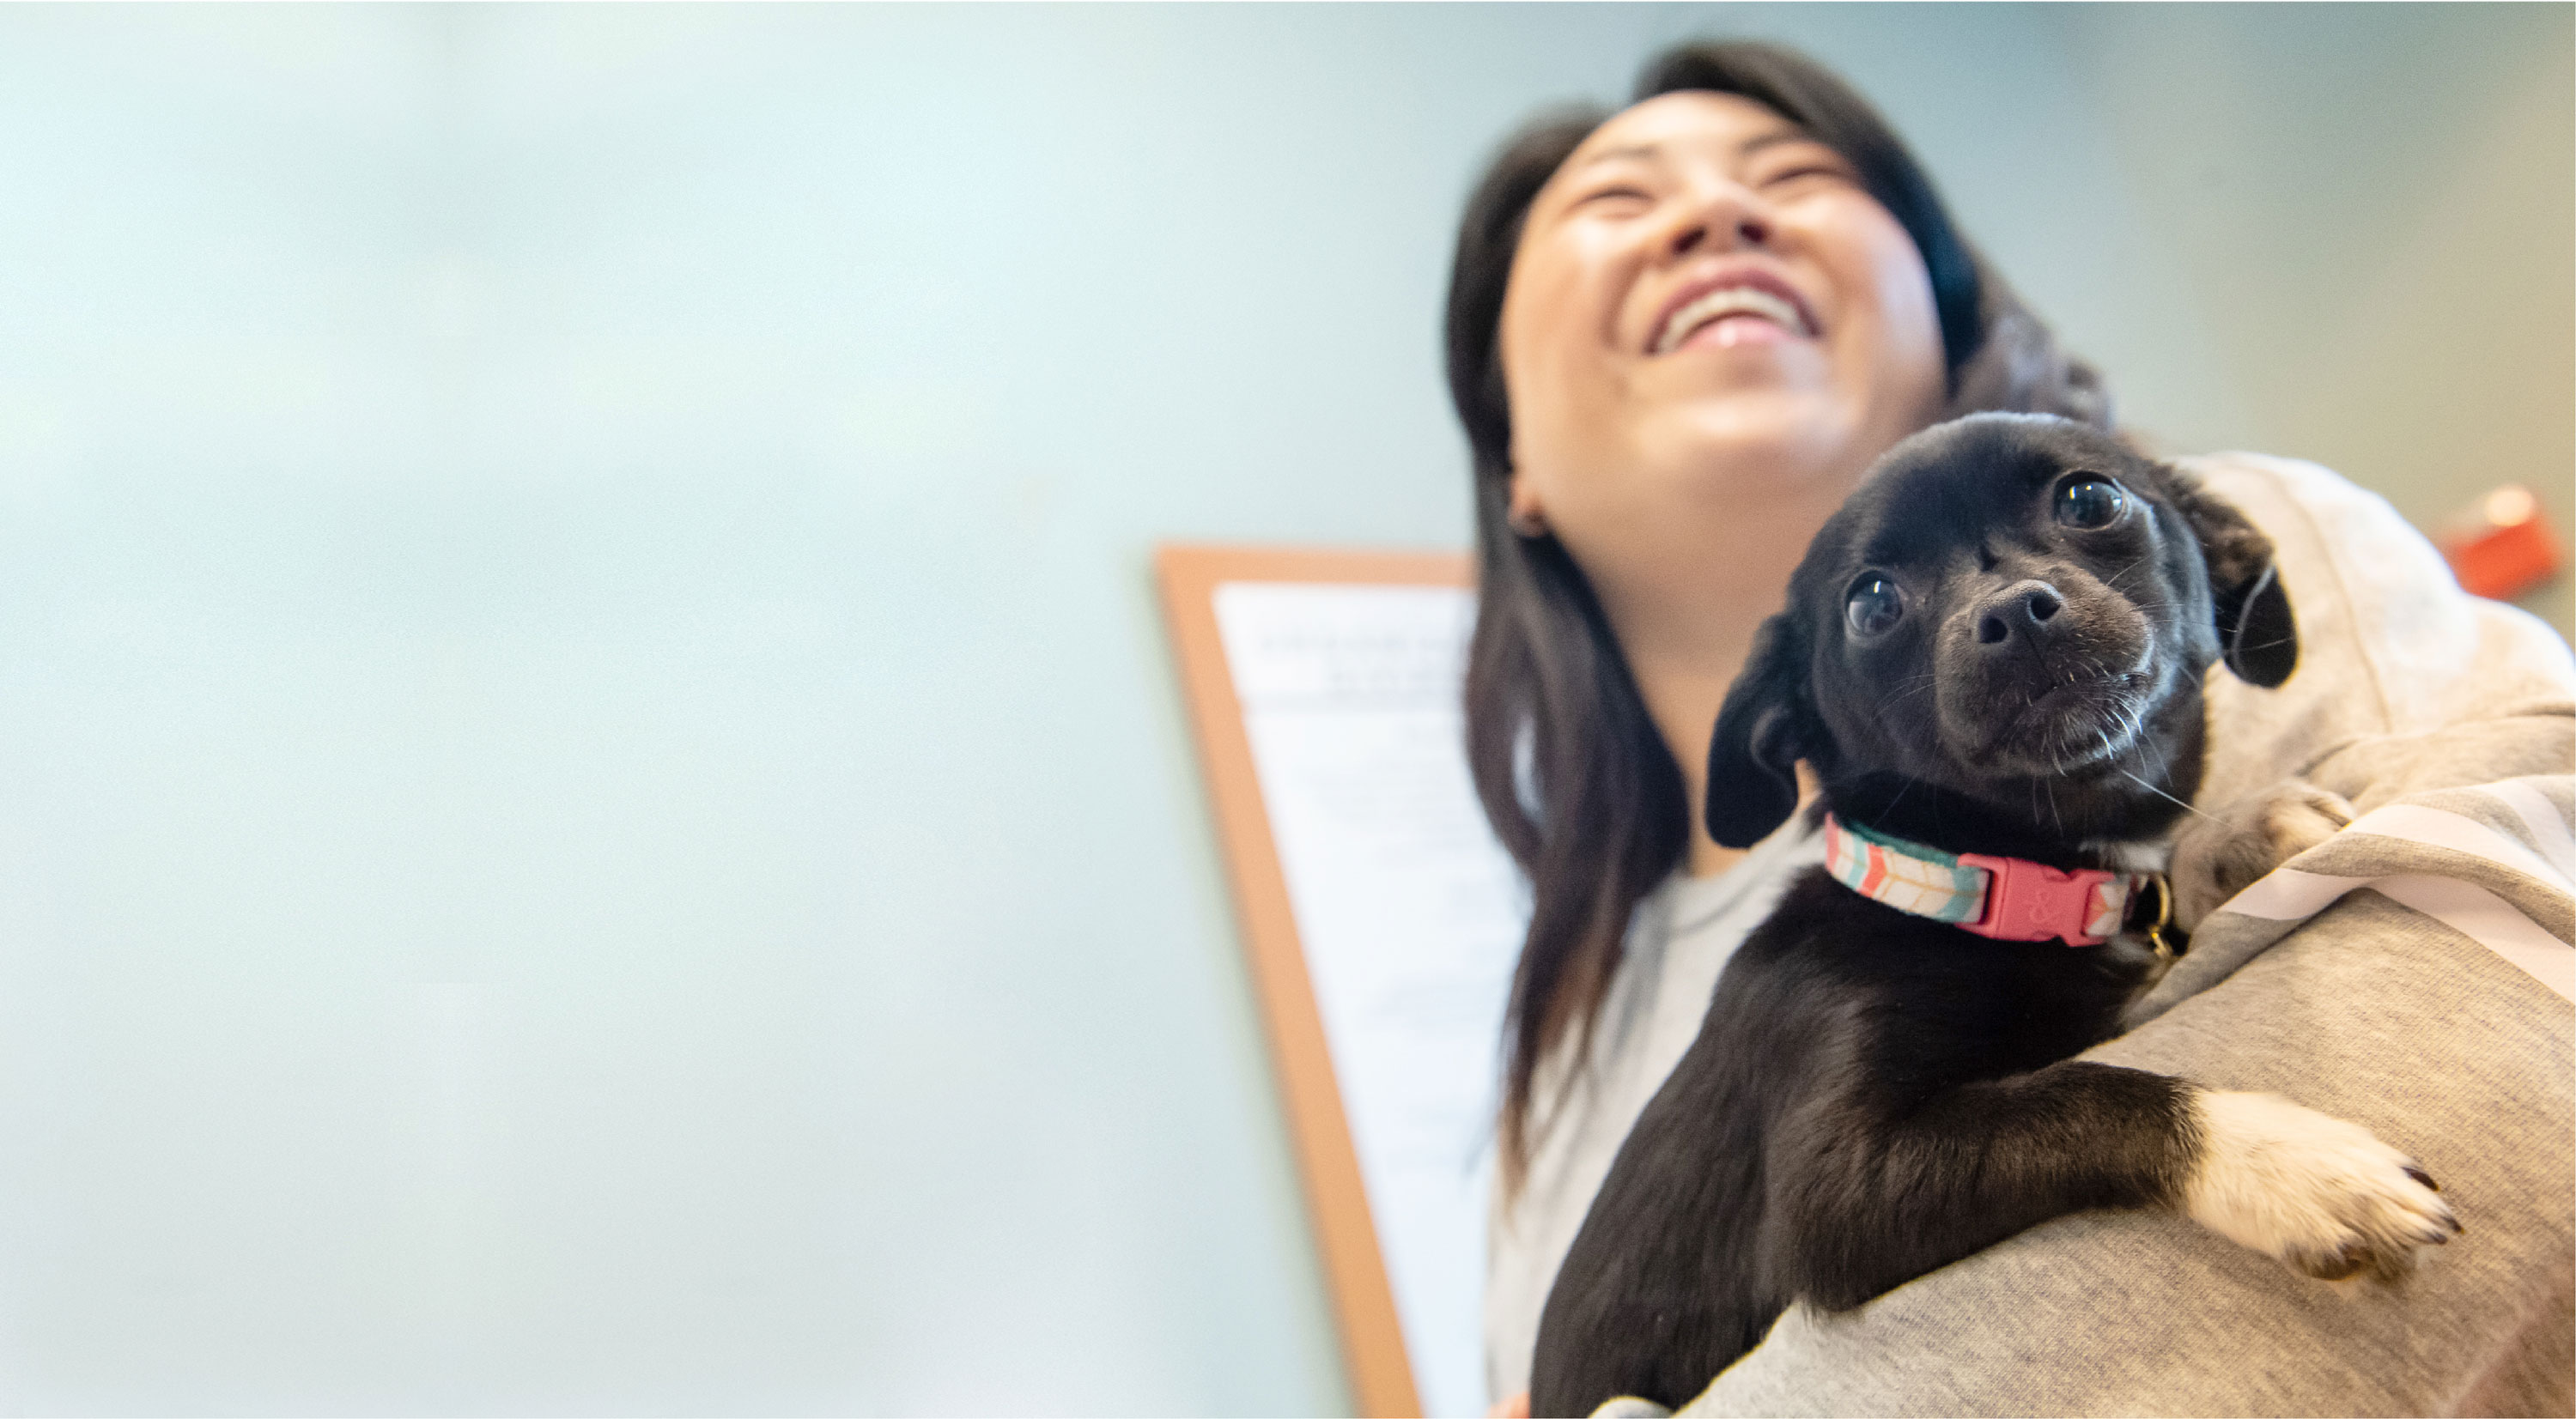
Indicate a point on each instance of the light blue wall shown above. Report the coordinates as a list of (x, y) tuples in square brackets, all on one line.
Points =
[(593, 811)]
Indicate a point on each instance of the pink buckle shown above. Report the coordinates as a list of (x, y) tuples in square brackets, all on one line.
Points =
[(2026, 901)]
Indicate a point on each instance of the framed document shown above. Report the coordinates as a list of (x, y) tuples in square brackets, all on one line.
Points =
[(1380, 917)]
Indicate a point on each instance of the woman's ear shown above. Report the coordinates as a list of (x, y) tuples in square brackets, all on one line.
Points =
[(1521, 509), (2257, 635), (1763, 729)]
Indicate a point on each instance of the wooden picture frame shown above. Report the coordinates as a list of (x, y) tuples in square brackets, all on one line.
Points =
[(1372, 1336)]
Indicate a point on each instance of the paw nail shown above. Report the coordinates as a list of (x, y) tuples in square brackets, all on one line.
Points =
[(2421, 1176)]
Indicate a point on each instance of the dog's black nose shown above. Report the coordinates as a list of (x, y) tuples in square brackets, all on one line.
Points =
[(2024, 606)]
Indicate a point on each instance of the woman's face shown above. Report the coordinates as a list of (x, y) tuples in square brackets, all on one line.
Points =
[(1706, 313)]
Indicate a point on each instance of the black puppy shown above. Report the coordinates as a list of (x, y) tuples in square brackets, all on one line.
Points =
[(1991, 660)]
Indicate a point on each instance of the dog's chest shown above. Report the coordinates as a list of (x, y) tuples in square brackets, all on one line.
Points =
[(1930, 1004)]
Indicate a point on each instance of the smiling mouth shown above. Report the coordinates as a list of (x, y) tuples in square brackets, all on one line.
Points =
[(1735, 315)]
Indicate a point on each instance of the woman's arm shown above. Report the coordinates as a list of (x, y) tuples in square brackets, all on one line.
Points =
[(2373, 1013)]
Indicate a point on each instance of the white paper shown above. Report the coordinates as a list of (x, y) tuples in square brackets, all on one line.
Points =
[(1410, 914)]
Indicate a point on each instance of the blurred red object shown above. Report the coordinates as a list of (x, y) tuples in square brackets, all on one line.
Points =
[(2502, 548)]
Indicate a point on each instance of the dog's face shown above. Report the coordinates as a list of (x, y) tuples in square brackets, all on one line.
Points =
[(2013, 610)]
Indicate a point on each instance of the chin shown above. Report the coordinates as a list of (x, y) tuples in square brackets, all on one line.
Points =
[(1779, 437)]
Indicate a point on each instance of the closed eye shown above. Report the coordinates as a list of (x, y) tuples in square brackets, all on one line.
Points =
[(1619, 194), (1800, 160)]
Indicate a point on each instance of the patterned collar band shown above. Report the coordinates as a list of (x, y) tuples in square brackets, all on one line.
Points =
[(2007, 898)]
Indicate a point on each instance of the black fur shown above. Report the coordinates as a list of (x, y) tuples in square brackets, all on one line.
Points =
[(1874, 1094)]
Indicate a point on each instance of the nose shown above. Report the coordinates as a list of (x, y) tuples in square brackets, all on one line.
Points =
[(2025, 607), (1728, 216)]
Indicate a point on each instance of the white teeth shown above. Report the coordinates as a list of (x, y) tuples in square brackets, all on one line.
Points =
[(1726, 301)]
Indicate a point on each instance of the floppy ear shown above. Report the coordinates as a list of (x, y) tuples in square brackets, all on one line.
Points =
[(1763, 729), (2256, 633)]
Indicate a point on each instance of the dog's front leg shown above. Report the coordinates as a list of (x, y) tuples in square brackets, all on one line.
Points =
[(1872, 1189), (1868, 1199)]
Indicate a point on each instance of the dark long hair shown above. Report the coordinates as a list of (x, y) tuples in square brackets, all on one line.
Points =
[(1573, 775)]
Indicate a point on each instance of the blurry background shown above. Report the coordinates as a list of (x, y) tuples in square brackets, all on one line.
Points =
[(594, 815)]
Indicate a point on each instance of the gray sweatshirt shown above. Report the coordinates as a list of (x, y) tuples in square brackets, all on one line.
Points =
[(2407, 975)]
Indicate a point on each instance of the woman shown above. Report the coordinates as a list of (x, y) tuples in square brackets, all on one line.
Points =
[(1677, 335)]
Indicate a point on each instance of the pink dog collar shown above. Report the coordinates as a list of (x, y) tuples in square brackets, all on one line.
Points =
[(2007, 898)]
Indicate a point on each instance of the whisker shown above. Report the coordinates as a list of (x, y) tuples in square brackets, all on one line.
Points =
[(2160, 793), (2116, 577), (1924, 682)]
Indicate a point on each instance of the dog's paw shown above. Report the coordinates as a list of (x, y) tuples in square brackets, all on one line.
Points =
[(2219, 856), (2322, 1194)]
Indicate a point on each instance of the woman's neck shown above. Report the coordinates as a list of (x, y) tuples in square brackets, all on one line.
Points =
[(1686, 621), (1683, 698)]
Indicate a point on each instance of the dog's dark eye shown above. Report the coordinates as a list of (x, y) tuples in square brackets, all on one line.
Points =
[(1874, 605), (2088, 503)]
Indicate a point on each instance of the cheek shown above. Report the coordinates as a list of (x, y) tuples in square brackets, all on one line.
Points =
[(1879, 706), (1553, 371), (1886, 301), (1918, 369)]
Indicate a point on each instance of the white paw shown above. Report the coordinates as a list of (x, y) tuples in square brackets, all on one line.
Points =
[(2322, 1194)]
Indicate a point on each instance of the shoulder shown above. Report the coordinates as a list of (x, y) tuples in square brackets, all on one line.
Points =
[(2340, 548), (2388, 643)]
